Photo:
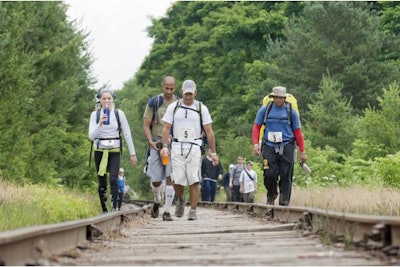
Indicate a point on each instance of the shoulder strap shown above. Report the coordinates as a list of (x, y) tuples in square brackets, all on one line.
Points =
[(267, 110), (198, 110), (116, 116), (248, 174), (116, 111), (98, 116), (289, 112), (288, 109)]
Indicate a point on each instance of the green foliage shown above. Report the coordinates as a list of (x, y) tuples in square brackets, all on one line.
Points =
[(332, 120), (341, 38), (379, 129), (44, 76), (236, 52), (326, 167), (211, 42), (387, 169), (29, 205)]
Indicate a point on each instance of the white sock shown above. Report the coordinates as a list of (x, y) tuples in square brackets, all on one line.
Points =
[(156, 193), (169, 197)]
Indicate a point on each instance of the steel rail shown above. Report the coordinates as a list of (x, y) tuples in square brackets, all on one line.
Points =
[(24, 246), (380, 233)]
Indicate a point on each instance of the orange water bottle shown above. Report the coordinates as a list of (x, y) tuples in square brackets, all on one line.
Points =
[(165, 159)]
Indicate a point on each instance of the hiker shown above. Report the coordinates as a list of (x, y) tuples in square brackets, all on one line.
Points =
[(107, 145), (234, 183), (248, 183), (225, 183), (281, 134), (210, 174), (187, 117), (153, 127), (121, 187)]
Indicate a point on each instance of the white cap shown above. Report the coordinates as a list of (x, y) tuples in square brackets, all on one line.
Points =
[(188, 86), (121, 170), (231, 166)]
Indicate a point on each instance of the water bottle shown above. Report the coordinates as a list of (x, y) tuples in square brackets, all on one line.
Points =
[(305, 167), (107, 112), (165, 160)]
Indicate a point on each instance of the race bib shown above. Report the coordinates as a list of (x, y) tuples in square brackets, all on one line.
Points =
[(275, 137), (107, 143), (186, 134)]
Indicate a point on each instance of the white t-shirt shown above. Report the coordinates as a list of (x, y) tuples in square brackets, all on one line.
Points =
[(186, 123), (248, 183)]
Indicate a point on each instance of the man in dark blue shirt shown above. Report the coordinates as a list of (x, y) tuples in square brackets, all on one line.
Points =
[(210, 175)]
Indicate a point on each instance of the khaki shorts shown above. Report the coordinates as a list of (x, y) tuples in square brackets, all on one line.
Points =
[(156, 170), (186, 165)]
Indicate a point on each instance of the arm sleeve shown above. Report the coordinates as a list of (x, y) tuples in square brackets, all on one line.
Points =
[(256, 133), (298, 135)]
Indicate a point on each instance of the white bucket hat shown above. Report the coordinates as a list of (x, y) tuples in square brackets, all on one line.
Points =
[(278, 91)]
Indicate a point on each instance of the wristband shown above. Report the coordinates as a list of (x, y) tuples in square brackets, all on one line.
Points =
[(164, 145), (213, 154)]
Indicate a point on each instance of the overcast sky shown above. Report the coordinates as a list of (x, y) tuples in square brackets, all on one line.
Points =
[(117, 34)]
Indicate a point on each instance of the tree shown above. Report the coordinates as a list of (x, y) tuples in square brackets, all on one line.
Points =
[(342, 38), (379, 129), (331, 118), (44, 70), (211, 43)]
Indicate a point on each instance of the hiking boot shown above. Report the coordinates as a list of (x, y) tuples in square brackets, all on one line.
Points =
[(180, 207), (166, 216), (155, 211), (192, 215)]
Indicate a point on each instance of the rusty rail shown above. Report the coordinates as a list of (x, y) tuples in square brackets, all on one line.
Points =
[(24, 246)]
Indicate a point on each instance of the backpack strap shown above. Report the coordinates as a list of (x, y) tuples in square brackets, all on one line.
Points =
[(288, 109), (198, 110), (116, 112), (248, 174)]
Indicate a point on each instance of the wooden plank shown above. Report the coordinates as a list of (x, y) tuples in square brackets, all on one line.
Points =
[(216, 238)]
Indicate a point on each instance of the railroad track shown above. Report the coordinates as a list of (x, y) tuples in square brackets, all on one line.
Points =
[(224, 234)]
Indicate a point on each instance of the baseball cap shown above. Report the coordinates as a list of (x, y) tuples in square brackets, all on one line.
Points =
[(121, 170), (188, 86)]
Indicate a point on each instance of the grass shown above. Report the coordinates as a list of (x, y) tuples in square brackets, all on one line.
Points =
[(30, 205), (356, 199)]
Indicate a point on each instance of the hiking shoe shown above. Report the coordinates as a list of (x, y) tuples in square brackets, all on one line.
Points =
[(180, 207), (155, 211), (166, 216), (192, 215)]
